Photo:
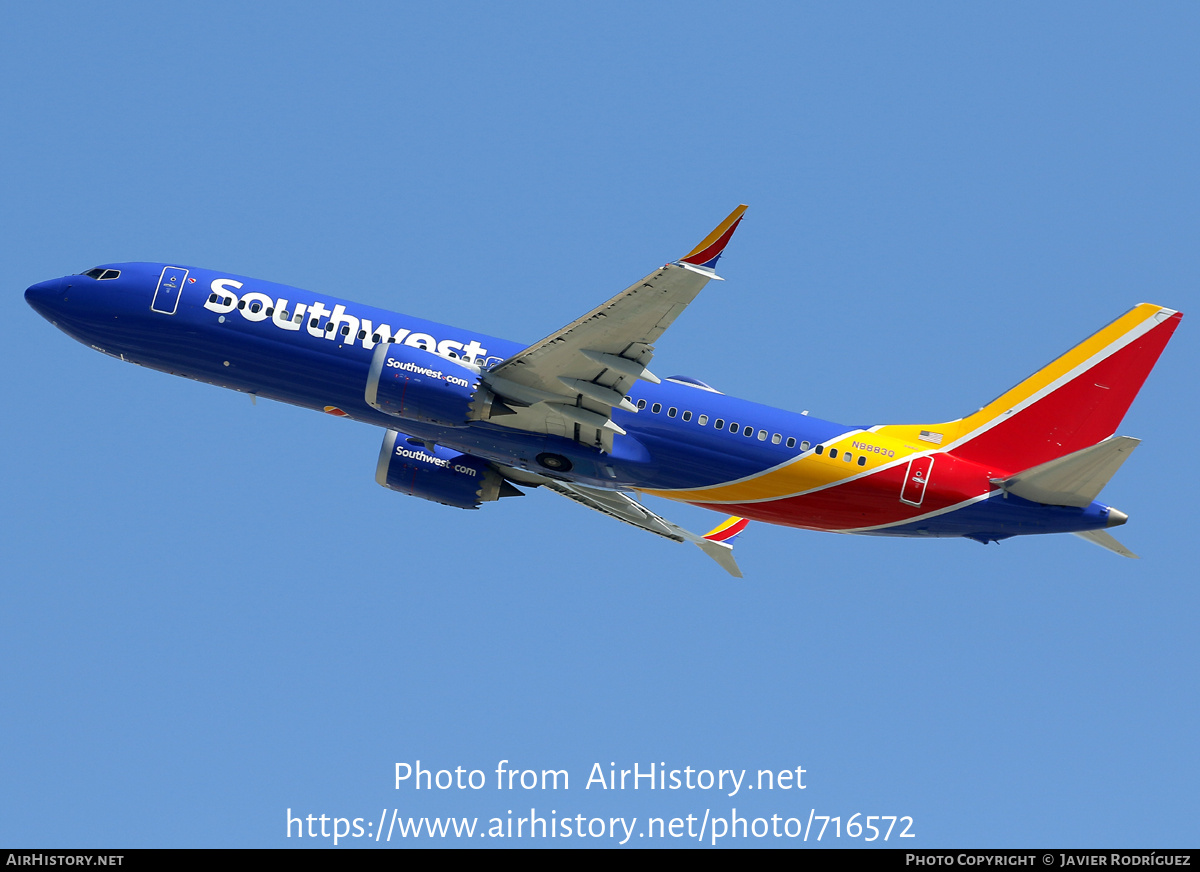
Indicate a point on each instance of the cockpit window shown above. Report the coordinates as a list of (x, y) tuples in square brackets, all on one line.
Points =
[(101, 273)]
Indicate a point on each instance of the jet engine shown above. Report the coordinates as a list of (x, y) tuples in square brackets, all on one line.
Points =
[(418, 385), (438, 474)]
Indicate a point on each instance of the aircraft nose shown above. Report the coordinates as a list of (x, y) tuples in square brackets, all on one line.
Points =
[(43, 296)]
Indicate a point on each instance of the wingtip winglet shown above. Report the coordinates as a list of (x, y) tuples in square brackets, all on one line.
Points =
[(727, 530), (710, 249)]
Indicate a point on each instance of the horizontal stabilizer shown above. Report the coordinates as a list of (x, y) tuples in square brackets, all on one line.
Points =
[(1105, 540), (1074, 479)]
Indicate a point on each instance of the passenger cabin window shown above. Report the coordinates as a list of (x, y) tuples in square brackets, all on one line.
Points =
[(656, 408), (833, 454), (847, 457), (862, 460), (762, 436), (791, 443), (687, 416), (776, 438), (671, 412), (820, 449), (733, 427), (719, 424), (747, 430), (641, 404), (702, 420)]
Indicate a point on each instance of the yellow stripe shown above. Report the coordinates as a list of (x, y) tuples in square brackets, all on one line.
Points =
[(724, 525), (716, 234), (802, 474)]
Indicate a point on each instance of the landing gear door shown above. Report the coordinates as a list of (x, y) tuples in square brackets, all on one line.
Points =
[(170, 284), (916, 479)]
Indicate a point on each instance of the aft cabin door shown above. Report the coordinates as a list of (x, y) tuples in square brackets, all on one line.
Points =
[(166, 295), (915, 480)]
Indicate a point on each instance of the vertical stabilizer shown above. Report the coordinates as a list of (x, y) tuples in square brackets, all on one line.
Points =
[(1075, 402)]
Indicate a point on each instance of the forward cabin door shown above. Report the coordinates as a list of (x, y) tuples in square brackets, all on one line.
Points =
[(170, 285)]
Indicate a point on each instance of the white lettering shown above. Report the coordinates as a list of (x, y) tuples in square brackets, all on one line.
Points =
[(346, 325), (256, 306), (315, 313), (597, 775), (375, 335), (221, 287), (472, 351), (282, 318)]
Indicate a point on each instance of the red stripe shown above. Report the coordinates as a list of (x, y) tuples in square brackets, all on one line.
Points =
[(729, 532), (871, 500)]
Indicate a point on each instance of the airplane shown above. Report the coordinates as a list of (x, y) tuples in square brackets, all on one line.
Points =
[(471, 418)]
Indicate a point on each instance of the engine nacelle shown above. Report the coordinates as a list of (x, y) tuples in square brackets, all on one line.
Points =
[(441, 475), (418, 385)]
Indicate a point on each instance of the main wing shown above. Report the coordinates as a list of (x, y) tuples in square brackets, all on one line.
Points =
[(569, 383)]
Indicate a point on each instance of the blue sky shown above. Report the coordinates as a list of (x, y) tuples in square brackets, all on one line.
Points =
[(211, 613)]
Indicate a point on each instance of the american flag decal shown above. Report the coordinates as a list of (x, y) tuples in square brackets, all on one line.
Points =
[(929, 436)]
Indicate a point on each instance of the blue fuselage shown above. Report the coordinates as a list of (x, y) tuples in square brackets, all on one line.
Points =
[(314, 350)]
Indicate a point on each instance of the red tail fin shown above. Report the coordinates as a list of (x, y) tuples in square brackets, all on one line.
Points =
[(1076, 401)]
